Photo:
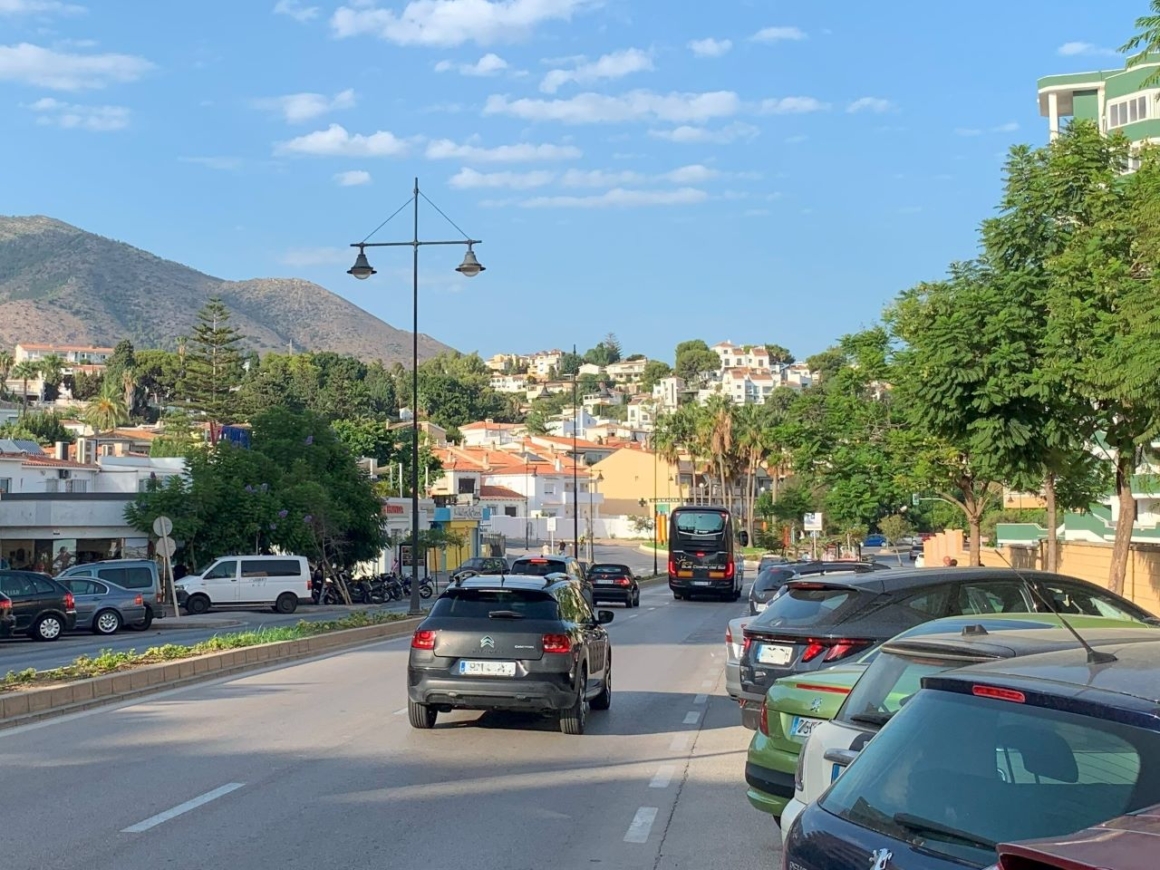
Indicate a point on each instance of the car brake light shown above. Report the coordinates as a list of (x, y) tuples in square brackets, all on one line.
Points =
[(138, 600), (841, 649), (538, 561), (728, 634), (424, 638), (998, 694), (763, 723), (5, 605), (813, 650), (814, 687), (70, 603), (672, 566), (622, 581), (557, 644), (747, 644), (730, 567)]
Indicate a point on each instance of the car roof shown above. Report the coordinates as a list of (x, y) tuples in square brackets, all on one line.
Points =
[(1015, 642), (908, 578), (1131, 679), (524, 582), (1012, 622)]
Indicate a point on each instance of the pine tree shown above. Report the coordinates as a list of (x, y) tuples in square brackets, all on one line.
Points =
[(213, 363)]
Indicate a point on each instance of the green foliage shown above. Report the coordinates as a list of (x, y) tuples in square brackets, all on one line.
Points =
[(694, 360), (84, 386), (178, 438), (45, 427), (605, 353), (654, 371), (779, 354), (895, 527), (569, 364), (213, 364)]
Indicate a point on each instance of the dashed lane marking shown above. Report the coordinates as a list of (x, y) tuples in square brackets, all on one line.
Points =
[(692, 717), (663, 776), (700, 699), (182, 809), (641, 825)]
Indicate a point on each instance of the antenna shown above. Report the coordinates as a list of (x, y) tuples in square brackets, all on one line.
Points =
[(1094, 657)]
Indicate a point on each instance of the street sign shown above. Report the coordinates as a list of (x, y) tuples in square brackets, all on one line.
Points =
[(552, 524), (914, 499), (166, 547), (812, 522), (163, 527)]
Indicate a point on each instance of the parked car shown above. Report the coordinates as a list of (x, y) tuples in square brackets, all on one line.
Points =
[(1124, 843), (541, 566), (770, 560), (895, 674), (1022, 748), (612, 582), (767, 584), (136, 575), (511, 643), (821, 621), (733, 640), (7, 617), (480, 565), (103, 608), (874, 541), (42, 608), (280, 582)]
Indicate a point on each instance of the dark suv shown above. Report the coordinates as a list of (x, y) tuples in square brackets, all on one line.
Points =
[(511, 643), (480, 565), (43, 608)]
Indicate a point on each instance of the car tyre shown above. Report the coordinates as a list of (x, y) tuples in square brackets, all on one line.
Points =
[(574, 719), (48, 627), (678, 596), (287, 603), (604, 700), (197, 604), (421, 716), (636, 599), (144, 624), (107, 622)]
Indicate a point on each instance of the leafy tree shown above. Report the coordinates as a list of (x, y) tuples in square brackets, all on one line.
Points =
[(827, 363), (213, 363), (106, 412), (1145, 43), (84, 386), (159, 376), (6, 363), (604, 354), (178, 437), (654, 371), (694, 360), (569, 364), (44, 428), (895, 527), (52, 375), (367, 437), (779, 354), (25, 372)]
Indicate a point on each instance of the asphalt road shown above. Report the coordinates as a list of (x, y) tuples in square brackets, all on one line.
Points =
[(314, 765)]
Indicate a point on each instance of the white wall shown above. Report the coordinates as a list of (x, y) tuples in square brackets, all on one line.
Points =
[(515, 528)]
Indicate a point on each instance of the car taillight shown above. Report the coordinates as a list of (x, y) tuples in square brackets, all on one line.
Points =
[(138, 600), (5, 605), (813, 650), (558, 644), (672, 567), (833, 649), (622, 581), (730, 567), (763, 722), (998, 694), (70, 603), (728, 634), (748, 642), (424, 638)]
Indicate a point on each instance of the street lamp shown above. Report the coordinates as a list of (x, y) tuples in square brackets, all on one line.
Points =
[(362, 269), (594, 482), (655, 515)]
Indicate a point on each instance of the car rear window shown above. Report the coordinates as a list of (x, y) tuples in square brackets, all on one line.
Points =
[(481, 603), (539, 567), (616, 570), (811, 606), (978, 771), (771, 578), (127, 578), (887, 684)]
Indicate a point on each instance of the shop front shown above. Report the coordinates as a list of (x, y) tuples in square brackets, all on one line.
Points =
[(463, 524), (396, 517)]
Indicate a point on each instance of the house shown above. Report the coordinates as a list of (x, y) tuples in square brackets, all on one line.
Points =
[(798, 376), (503, 501), (433, 433), (571, 421), (488, 433), (501, 362), (70, 354), (632, 475), (510, 383), (590, 369), (602, 397), (642, 413), (626, 371), (668, 391), (749, 356), (545, 363)]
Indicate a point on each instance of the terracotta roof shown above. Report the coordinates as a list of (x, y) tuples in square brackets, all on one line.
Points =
[(484, 425), (45, 461), (141, 434), (499, 492)]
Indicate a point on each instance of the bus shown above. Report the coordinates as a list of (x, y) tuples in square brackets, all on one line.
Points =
[(701, 553)]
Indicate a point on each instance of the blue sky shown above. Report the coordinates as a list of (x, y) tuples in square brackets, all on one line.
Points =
[(750, 171)]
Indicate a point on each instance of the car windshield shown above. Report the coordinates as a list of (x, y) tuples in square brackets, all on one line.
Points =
[(954, 774), (798, 606), (696, 524), (481, 603), (615, 570), (538, 567), (886, 685)]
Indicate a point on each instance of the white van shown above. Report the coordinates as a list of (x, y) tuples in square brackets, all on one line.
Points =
[(281, 582)]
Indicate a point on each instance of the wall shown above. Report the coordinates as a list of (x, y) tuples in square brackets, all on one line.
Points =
[(535, 529)]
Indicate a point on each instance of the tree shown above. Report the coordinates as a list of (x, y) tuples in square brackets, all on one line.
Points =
[(895, 527), (569, 364), (654, 371), (84, 386), (1146, 42), (6, 363), (43, 428), (613, 346), (779, 354), (827, 363), (106, 412), (694, 360), (159, 375), (25, 372), (52, 375), (604, 354), (213, 363)]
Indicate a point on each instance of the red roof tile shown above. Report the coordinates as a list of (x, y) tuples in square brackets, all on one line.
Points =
[(499, 492)]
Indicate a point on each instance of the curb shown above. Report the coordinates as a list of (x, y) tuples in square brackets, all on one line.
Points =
[(171, 624), (23, 706)]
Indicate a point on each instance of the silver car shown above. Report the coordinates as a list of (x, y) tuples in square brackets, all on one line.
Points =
[(104, 608), (734, 638)]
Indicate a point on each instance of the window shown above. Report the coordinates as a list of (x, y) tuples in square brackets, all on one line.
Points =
[(44, 586), (76, 486), (16, 585), (5, 485), (813, 607), (80, 586), (1001, 596), (223, 570), (885, 686), (465, 486), (270, 568), (549, 489), (1074, 598), (509, 511), (481, 603), (1128, 112)]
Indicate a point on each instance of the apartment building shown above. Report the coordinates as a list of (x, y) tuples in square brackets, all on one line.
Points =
[(71, 354), (748, 356)]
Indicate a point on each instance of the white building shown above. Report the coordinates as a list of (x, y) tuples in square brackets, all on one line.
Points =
[(488, 433), (571, 422), (642, 413), (798, 376), (749, 356), (667, 392), (509, 383), (545, 362), (626, 371)]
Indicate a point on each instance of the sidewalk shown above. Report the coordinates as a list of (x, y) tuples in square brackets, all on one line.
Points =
[(257, 617)]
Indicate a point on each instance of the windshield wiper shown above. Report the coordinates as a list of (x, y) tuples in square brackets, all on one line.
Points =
[(871, 718), (919, 825), (505, 614)]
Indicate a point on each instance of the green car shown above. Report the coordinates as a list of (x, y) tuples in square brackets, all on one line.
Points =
[(794, 705)]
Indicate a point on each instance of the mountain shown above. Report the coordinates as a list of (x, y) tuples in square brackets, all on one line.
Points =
[(62, 285)]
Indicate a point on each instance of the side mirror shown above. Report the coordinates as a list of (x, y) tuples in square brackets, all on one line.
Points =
[(605, 616), (743, 537)]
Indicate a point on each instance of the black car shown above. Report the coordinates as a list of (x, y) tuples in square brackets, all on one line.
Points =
[(770, 580), (1024, 748), (43, 608), (542, 566), (480, 565), (511, 643), (818, 622), (611, 582), (7, 619)]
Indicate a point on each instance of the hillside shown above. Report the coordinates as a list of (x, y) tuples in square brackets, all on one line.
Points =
[(61, 285)]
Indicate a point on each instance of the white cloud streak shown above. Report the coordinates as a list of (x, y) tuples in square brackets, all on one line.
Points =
[(39, 7), (336, 141), (297, 10), (779, 34), (488, 65), (639, 105), (522, 152), (687, 134), (447, 23), (615, 65), (471, 179), (353, 178), (684, 176), (1084, 49), (70, 116), (876, 105), (64, 71), (792, 106), (297, 108), (710, 47), (620, 197)]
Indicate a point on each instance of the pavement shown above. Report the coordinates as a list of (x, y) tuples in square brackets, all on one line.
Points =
[(314, 765)]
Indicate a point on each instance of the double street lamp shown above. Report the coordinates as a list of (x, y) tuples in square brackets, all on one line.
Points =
[(469, 268)]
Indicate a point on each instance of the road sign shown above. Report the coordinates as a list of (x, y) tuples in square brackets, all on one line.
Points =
[(163, 527), (552, 524), (166, 547), (914, 500), (812, 522)]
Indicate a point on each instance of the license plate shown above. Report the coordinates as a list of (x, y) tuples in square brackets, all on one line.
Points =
[(803, 726), (700, 572), (774, 655), (700, 582), (836, 771), (487, 669)]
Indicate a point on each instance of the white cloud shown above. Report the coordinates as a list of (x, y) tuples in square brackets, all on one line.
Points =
[(620, 197), (968, 131), (98, 119), (694, 174), (453, 22), (871, 104), (792, 106), (39, 7), (335, 141), (305, 257), (686, 134), (296, 9), (488, 65), (470, 179), (523, 152), (600, 178), (1074, 49), (1009, 127), (641, 105), (353, 178), (222, 164), (778, 34), (616, 65), (710, 47), (64, 71), (296, 108)]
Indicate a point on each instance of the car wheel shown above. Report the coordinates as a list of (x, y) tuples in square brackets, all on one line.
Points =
[(287, 603), (148, 621), (422, 716), (678, 596), (197, 604), (604, 700), (107, 622), (573, 720), (636, 599), (48, 628)]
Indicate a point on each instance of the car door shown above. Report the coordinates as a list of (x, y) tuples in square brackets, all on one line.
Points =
[(87, 594), (252, 586), (595, 635), (1071, 597), (220, 582), (25, 604), (990, 596)]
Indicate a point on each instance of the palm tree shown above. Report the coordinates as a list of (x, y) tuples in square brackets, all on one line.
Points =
[(717, 435), (105, 412), (52, 372), (129, 385), (6, 363), (752, 437), (1144, 43), (25, 371)]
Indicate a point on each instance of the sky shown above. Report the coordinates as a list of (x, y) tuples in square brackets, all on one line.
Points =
[(753, 171)]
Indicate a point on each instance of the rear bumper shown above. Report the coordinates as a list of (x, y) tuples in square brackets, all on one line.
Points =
[(750, 707), (546, 693), (792, 810), (769, 790), (612, 593), (7, 626), (702, 587)]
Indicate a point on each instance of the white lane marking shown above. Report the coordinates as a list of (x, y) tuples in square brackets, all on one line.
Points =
[(663, 777), (641, 825), (400, 712), (181, 809), (692, 717), (652, 608), (700, 699), (680, 743)]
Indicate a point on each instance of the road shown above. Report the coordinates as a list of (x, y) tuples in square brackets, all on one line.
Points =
[(314, 765)]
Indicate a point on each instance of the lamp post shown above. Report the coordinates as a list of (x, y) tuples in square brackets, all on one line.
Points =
[(575, 465), (469, 268), (592, 484), (655, 515)]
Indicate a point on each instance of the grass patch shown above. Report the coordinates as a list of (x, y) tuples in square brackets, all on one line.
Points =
[(110, 662)]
